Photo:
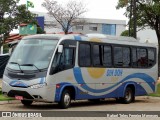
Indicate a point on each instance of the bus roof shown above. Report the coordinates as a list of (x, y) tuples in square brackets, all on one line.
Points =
[(93, 38)]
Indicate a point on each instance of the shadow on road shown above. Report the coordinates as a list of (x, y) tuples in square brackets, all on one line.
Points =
[(75, 104)]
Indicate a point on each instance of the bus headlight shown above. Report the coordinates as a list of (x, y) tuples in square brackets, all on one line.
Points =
[(38, 86)]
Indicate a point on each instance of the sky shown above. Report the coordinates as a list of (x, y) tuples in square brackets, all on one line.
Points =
[(102, 9)]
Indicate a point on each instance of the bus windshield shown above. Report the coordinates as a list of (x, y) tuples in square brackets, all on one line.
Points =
[(32, 54)]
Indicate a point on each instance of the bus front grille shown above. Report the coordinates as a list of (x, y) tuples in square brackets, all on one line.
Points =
[(18, 76), (14, 93)]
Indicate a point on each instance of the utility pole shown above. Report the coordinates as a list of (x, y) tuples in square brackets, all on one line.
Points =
[(134, 19)]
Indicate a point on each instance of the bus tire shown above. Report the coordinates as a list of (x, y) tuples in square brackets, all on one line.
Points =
[(26, 102), (65, 99), (128, 96)]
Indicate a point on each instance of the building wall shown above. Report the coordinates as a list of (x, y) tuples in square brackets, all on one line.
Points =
[(51, 26), (118, 29)]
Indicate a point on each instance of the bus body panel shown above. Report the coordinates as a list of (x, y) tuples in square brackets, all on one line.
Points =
[(88, 82)]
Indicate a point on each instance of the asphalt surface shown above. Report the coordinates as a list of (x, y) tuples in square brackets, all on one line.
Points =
[(143, 103)]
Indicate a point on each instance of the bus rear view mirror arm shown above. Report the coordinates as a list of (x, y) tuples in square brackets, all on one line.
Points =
[(60, 48)]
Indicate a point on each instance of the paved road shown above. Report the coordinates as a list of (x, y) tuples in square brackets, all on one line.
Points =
[(141, 104)]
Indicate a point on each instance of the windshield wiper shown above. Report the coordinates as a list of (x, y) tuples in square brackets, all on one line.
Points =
[(18, 65), (31, 65)]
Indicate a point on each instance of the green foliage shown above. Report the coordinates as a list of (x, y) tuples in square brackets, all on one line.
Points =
[(5, 48), (126, 33), (157, 93), (148, 13), (40, 31), (13, 15)]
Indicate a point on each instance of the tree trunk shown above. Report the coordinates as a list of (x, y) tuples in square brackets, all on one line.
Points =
[(65, 32), (158, 37)]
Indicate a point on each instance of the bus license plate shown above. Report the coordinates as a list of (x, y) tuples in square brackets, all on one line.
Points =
[(19, 97)]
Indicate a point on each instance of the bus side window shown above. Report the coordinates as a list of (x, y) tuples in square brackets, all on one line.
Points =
[(84, 55), (118, 57), (134, 57), (107, 56), (97, 55), (126, 57), (151, 57), (142, 58), (63, 61), (67, 59)]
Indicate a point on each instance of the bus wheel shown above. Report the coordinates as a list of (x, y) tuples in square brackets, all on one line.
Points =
[(65, 99), (26, 102), (128, 96)]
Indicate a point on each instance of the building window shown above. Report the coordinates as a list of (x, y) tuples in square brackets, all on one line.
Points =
[(93, 27), (109, 29), (79, 27)]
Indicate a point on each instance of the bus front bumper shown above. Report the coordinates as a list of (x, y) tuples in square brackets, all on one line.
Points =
[(30, 93)]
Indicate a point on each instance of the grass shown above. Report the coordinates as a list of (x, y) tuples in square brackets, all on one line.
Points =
[(157, 93), (3, 98)]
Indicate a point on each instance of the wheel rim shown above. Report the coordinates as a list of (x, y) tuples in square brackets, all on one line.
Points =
[(128, 95), (67, 99)]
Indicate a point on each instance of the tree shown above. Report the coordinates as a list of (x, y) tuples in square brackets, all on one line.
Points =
[(148, 15), (13, 14), (68, 15), (126, 33)]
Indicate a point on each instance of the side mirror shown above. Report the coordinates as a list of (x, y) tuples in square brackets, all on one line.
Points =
[(60, 48)]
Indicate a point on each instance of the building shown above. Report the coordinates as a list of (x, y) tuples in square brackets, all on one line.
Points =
[(104, 26)]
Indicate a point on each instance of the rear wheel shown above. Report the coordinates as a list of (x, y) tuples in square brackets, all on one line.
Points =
[(128, 96), (26, 102), (65, 99)]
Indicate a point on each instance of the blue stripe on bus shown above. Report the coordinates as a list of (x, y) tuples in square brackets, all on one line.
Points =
[(77, 38), (80, 94), (113, 94), (17, 83), (78, 77)]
